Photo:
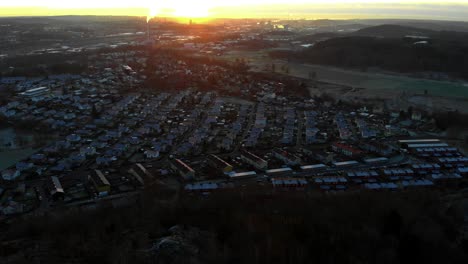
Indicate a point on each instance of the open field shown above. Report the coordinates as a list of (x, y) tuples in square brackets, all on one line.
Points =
[(380, 81), (354, 85)]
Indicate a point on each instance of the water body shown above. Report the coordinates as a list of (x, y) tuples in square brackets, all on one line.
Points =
[(16, 145)]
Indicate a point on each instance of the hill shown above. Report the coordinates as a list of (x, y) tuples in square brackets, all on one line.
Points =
[(318, 37), (393, 31), (389, 47)]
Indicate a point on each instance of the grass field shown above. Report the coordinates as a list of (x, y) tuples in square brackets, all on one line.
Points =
[(260, 61), (381, 81)]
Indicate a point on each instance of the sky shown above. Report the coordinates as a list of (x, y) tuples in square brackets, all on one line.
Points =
[(424, 9)]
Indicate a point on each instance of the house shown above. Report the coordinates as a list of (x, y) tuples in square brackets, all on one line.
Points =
[(220, 164), (88, 150), (137, 177), (241, 175), (77, 158), (346, 150), (38, 157), (36, 92), (100, 183), (62, 166), (287, 157), (57, 191), (201, 187), (73, 138), (280, 171), (463, 171), (377, 147), (183, 169), (24, 166), (345, 164), (106, 161), (362, 174), (426, 168), (312, 168), (298, 183), (254, 160)]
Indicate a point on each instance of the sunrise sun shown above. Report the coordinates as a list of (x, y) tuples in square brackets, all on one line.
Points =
[(180, 8)]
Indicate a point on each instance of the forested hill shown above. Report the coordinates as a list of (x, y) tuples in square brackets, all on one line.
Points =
[(392, 48), (393, 31)]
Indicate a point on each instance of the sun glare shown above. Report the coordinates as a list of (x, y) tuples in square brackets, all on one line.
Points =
[(180, 8)]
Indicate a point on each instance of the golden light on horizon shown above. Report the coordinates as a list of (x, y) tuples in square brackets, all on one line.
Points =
[(180, 9), (209, 9)]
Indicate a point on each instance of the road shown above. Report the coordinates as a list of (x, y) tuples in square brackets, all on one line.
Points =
[(300, 125), (247, 128)]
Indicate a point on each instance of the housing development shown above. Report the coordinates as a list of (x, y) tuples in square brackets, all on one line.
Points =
[(111, 135), (212, 132)]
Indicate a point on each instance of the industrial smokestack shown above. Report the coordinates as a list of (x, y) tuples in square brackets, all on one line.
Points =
[(147, 32)]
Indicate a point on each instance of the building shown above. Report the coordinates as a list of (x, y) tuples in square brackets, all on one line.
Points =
[(311, 168), (427, 145), (57, 192), (183, 169), (346, 150), (453, 162), (287, 157), (280, 171), (426, 168), (296, 183), (377, 147), (398, 174), (136, 176), (220, 164), (376, 160), (330, 180), (381, 186), (254, 160), (100, 182), (345, 164), (463, 171), (36, 92), (418, 141), (139, 168), (362, 174), (201, 187), (151, 154), (405, 142), (242, 175)]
